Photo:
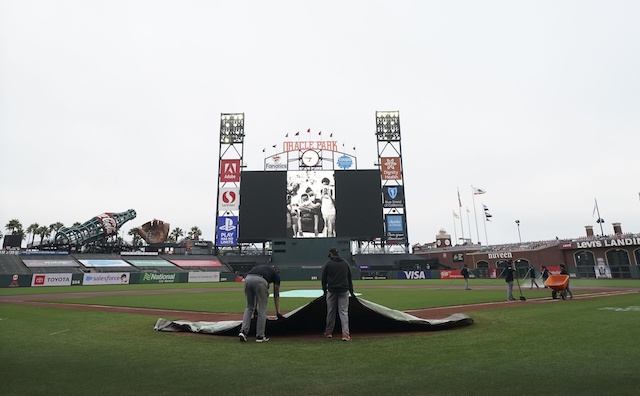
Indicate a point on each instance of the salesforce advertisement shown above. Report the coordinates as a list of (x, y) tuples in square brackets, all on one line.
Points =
[(106, 279)]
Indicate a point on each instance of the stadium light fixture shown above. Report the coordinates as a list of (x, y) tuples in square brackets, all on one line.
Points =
[(232, 128), (388, 126)]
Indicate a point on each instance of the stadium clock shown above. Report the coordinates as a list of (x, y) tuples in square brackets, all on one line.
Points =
[(310, 158)]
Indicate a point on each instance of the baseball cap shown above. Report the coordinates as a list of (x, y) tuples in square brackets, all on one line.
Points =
[(333, 250)]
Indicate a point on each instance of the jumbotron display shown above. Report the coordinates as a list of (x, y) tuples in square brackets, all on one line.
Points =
[(310, 204)]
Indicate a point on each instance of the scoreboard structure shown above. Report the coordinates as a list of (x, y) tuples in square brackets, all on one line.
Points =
[(310, 191)]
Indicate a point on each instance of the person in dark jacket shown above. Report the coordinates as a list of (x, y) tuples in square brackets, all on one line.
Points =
[(465, 274), (532, 274), (256, 291), (545, 275), (563, 271), (508, 277), (337, 285)]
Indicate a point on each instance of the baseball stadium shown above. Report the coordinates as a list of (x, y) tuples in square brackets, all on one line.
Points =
[(87, 314)]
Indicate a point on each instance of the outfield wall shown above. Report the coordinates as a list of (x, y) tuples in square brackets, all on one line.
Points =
[(287, 274)]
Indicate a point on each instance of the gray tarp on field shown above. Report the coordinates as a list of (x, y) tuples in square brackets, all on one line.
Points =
[(364, 317)]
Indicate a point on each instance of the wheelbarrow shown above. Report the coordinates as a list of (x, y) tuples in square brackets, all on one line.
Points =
[(558, 285)]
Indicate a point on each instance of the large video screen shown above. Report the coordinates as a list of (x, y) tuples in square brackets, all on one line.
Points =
[(310, 204)]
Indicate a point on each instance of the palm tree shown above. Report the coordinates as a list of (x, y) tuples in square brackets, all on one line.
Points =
[(43, 232), (136, 239), (14, 226), (176, 234), (195, 233), (76, 224), (0, 234), (56, 227), (32, 229)]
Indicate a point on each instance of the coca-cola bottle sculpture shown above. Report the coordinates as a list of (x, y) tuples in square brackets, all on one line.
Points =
[(98, 228)]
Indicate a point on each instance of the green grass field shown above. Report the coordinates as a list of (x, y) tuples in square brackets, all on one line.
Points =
[(582, 346)]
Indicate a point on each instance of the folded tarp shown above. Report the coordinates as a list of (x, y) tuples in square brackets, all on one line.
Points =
[(364, 317)]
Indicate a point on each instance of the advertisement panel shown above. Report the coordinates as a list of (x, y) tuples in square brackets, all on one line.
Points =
[(197, 263), (390, 168), (451, 274), (395, 228), (106, 279), (275, 163), (197, 277), (229, 170), (15, 280), (50, 263), (51, 280), (229, 199), (227, 231), (105, 263), (151, 263), (419, 274), (393, 196), (152, 277)]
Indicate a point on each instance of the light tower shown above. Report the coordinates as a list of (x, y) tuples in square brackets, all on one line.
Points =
[(230, 164), (392, 179)]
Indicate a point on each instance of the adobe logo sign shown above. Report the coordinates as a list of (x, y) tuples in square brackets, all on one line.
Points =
[(229, 171), (229, 199)]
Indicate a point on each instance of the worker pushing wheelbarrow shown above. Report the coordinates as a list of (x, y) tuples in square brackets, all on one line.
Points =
[(559, 284)]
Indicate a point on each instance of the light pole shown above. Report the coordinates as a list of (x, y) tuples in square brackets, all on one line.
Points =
[(518, 224)]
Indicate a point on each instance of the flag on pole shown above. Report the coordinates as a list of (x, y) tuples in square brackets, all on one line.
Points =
[(595, 207), (298, 133), (331, 134), (309, 130), (274, 146), (485, 207), (264, 149), (478, 191), (320, 133), (459, 200), (455, 214), (468, 211)]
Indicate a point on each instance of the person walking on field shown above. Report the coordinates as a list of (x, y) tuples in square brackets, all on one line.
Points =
[(256, 291), (465, 274), (508, 277), (532, 273), (337, 285)]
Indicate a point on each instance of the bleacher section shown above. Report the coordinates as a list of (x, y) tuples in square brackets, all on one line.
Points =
[(10, 264), (242, 264)]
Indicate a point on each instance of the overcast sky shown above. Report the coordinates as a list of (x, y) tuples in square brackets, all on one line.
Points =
[(113, 105)]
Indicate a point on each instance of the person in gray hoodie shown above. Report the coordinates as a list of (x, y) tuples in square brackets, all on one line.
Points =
[(336, 286)]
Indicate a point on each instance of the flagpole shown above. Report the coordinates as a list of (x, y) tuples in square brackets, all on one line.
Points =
[(475, 215), (455, 231), (460, 213), (486, 237), (600, 220), (469, 225)]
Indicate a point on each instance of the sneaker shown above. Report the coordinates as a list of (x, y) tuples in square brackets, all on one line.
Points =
[(346, 337), (263, 339), (327, 335), (242, 337)]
